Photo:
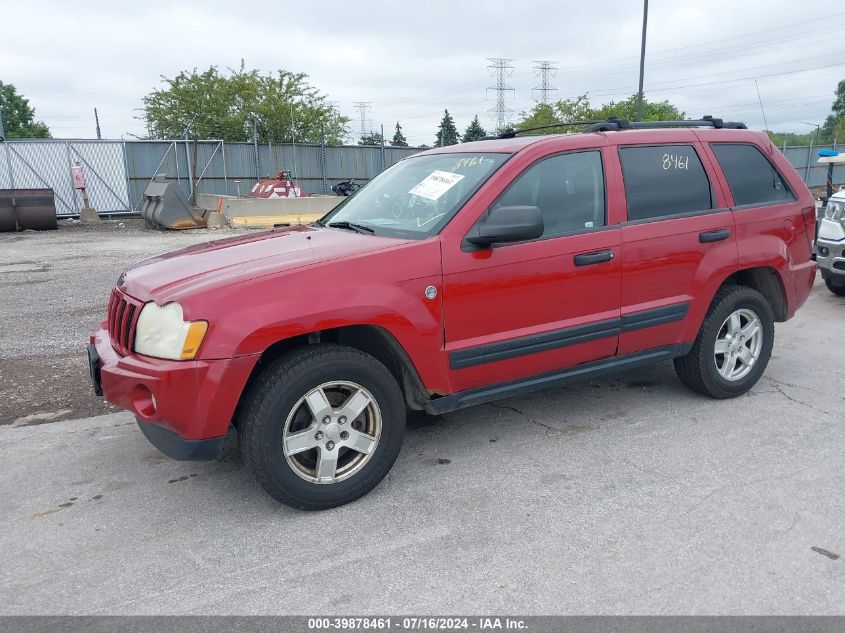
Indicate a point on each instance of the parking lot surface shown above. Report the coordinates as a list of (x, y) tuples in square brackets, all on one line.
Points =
[(628, 495), (55, 287)]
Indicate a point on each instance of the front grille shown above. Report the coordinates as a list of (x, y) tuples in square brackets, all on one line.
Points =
[(123, 316)]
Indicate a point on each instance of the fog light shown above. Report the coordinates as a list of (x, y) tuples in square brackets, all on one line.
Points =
[(824, 251), (143, 401)]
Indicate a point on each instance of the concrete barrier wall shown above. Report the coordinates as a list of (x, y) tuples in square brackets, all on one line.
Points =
[(269, 211)]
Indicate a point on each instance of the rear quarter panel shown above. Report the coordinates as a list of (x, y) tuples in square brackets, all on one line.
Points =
[(773, 236)]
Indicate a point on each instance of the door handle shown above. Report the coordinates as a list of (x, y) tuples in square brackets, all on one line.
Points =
[(714, 236), (585, 259)]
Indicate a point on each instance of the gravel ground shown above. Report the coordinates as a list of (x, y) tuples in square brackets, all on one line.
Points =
[(54, 287)]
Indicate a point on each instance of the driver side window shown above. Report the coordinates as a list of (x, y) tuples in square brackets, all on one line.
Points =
[(568, 189)]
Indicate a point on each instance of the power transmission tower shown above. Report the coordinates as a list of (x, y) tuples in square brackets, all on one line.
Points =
[(544, 69), (363, 107), (501, 69)]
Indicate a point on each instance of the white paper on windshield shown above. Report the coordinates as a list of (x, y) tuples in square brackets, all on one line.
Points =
[(435, 184)]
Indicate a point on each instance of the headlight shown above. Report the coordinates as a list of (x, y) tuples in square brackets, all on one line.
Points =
[(163, 333), (835, 210)]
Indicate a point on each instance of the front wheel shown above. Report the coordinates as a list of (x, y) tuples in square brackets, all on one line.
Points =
[(322, 426), (733, 345)]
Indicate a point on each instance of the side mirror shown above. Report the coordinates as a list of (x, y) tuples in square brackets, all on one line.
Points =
[(507, 224)]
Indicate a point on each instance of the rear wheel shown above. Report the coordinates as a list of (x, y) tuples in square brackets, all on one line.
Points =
[(733, 346), (837, 289), (322, 426)]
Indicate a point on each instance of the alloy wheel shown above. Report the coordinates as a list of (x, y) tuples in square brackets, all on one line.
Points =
[(738, 344), (332, 432)]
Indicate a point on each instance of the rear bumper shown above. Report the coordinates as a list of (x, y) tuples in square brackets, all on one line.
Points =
[(803, 277), (183, 407)]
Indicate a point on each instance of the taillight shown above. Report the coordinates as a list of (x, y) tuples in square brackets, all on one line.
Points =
[(809, 215)]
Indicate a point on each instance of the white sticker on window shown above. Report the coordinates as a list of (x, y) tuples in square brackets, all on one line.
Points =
[(435, 184)]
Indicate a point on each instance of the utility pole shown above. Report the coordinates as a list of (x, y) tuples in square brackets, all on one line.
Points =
[(187, 160), (255, 148), (642, 63), (545, 70), (501, 69), (363, 107), (97, 121), (2, 129), (293, 139), (382, 147)]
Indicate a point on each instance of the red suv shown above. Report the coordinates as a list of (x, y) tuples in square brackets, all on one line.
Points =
[(459, 276)]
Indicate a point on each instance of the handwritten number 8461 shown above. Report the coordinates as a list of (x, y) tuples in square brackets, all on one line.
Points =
[(675, 161)]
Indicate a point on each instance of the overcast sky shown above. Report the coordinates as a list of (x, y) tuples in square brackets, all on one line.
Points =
[(412, 59)]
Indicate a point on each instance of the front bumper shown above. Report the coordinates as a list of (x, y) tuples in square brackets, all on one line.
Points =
[(830, 257), (183, 407), (830, 249)]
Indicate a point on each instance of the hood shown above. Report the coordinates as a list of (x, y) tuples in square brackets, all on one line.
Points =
[(204, 267)]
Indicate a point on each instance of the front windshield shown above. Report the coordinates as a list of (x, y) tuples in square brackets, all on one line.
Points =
[(416, 197)]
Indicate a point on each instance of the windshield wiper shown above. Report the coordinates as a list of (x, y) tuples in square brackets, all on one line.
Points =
[(351, 226)]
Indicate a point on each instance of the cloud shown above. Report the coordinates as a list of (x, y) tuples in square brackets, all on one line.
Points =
[(412, 60)]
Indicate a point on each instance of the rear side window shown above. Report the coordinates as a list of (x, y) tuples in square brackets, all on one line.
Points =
[(663, 180), (752, 178)]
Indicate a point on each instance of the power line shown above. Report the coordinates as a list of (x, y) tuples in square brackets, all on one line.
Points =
[(714, 55), (544, 69), (609, 92), (501, 69), (767, 41)]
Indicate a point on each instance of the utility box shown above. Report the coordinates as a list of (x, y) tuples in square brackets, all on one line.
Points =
[(78, 177)]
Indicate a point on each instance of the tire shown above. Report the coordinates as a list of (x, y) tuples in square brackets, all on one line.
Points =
[(274, 420), (702, 370), (836, 289)]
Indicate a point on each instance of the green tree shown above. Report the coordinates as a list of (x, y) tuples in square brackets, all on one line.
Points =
[(791, 138), (399, 139), (563, 111), (373, 138), (627, 109), (832, 130), (474, 131), (18, 117), (834, 125), (447, 133), (579, 109), (282, 105)]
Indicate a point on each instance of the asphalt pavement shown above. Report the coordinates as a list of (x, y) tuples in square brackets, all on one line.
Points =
[(628, 495)]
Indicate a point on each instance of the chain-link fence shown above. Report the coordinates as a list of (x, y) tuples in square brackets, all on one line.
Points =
[(46, 164), (117, 172), (805, 160)]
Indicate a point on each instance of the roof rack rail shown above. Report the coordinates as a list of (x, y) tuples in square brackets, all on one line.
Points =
[(512, 133), (614, 124)]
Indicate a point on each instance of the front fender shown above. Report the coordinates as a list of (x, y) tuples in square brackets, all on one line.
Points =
[(372, 291)]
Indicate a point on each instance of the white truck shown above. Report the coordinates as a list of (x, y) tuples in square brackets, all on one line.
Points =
[(830, 245)]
